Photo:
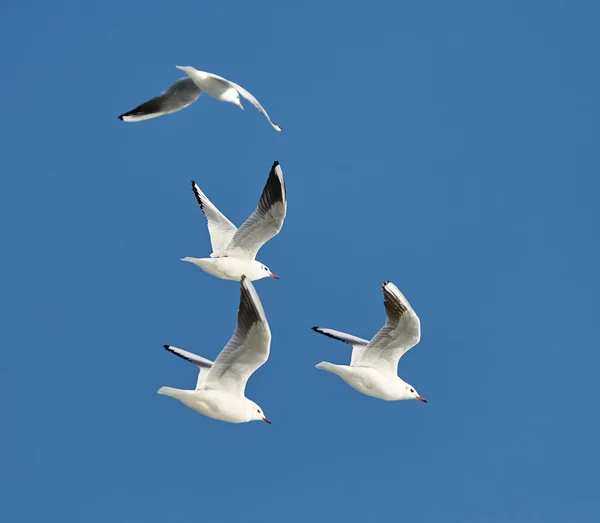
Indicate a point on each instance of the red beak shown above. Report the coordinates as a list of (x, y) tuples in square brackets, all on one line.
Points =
[(267, 420), (421, 398), (274, 276)]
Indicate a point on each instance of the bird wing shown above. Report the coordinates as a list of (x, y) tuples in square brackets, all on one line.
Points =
[(220, 229), (181, 94), (248, 96), (264, 223), (203, 364), (358, 344), (248, 348), (402, 330)]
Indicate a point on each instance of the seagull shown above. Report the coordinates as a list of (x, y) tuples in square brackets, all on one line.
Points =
[(187, 90), (374, 364), (221, 384), (234, 250)]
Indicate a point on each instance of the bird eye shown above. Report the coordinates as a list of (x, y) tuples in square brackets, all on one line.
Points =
[(257, 410), (412, 390)]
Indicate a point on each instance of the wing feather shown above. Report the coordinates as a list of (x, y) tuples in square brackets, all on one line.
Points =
[(401, 332), (247, 350), (358, 344), (265, 222), (181, 94), (220, 229)]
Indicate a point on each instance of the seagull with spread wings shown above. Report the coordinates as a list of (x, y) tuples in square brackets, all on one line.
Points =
[(185, 91), (234, 250), (221, 385), (374, 364)]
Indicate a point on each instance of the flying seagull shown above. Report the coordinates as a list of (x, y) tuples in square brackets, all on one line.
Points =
[(221, 385), (374, 364), (185, 91), (234, 250)]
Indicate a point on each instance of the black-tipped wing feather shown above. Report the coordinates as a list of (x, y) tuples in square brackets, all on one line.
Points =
[(341, 336), (265, 222), (402, 331), (358, 344), (190, 356), (181, 94), (248, 348), (220, 229)]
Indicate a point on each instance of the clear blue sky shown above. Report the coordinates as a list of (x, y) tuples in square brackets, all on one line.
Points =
[(451, 147)]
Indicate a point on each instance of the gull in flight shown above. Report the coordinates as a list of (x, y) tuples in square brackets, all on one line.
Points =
[(221, 384), (187, 90), (234, 250), (374, 364)]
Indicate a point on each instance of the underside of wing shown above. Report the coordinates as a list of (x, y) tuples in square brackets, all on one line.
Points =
[(203, 364), (248, 348), (248, 96), (181, 94), (358, 344), (190, 356), (265, 222), (402, 331), (220, 229)]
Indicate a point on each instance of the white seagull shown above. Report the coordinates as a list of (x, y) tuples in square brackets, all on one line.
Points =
[(234, 250), (185, 91), (374, 364), (219, 392)]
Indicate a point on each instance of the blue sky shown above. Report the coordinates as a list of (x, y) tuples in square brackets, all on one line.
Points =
[(451, 147)]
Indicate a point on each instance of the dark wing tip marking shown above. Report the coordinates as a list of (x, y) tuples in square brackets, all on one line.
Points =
[(274, 191), (249, 312), (121, 116), (394, 307), (198, 198), (168, 347), (329, 335)]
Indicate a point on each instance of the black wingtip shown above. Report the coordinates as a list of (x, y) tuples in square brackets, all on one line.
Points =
[(243, 278), (168, 347), (198, 198), (315, 328), (275, 163), (121, 117)]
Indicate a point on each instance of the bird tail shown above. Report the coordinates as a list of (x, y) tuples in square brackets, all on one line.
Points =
[(168, 391), (329, 367)]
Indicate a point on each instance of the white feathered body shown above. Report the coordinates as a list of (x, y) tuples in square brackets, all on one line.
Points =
[(228, 268), (212, 85), (369, 381), (214, 404)]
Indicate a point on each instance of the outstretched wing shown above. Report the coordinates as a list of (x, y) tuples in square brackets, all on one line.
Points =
[(248, 96), (203, 364), (265, 222), (358, 344), (247, 349), (220, 229), (181, 94), (402, 330)]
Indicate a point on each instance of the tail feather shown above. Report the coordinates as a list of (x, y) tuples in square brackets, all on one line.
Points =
[(168, 391), (325, 365)]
